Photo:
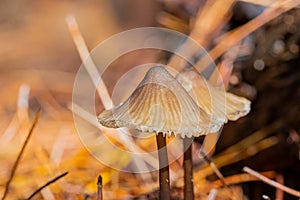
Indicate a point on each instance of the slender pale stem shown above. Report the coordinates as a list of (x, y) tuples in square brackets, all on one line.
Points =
[(188, 169), (164, 178)]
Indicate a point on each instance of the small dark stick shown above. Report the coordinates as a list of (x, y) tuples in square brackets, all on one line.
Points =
[(14, 168), (188, 169), (164, 180), (46, 184), (99, 186)]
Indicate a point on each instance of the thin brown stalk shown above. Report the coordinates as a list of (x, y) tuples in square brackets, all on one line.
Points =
[(164, 177), (188, 169), (271, 182), (47, 184), (99, 188), (14, 168)]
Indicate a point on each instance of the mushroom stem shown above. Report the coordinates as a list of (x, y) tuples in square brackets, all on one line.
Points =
[(188, 169), (164, 180)]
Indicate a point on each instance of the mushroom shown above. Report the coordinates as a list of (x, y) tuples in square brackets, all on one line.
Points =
[(160, 104), (215, 101)]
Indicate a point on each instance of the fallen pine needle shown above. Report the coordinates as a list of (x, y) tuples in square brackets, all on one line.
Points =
[(37, 116), (241, 178), (215, 169), (271, 182), (46, 184)]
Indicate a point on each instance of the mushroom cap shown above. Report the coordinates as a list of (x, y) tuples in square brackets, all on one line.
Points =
[(160, 104), (215, 101)]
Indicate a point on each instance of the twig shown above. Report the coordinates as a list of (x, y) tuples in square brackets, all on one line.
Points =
[(37, 116), (279, 193), (47, 184), (99, 186), (271, 182), (215, 169), (241, 178), (188, 190)]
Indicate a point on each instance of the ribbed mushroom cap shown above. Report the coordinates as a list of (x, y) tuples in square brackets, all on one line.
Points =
[(160, 104), (215, 101)]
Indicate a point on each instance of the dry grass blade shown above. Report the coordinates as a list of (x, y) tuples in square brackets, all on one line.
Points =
[(271, 182), (253, 138), (47, 184), (101, 89), (227, 159), (35, 121), (224, 160), (88, 62)]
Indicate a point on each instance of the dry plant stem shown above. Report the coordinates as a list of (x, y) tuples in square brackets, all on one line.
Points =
[(188, 169), (271, 182), (47, 184), (164, 177), (99, 186), (37, 116)]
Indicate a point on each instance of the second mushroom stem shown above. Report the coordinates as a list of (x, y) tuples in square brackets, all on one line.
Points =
[(164, 177), (188, 169)]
